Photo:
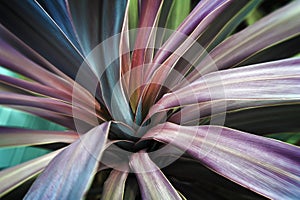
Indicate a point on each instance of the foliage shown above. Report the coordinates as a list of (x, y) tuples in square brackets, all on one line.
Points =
[(127, 108)]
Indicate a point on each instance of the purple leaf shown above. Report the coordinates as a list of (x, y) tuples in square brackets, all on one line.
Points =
[(34, 87), (266, 166), (33, 58), (18, 136), (45, 37), (13, 177), (8, 98), (13, 48), (285, 49), (66, 121), (16, 61), (114, 185), (143, 49), (192, 21), (188, 48), (153, 184), (266, 32), (77, 165), (28, 52), (150, 13), (196, 112), (267, 83)]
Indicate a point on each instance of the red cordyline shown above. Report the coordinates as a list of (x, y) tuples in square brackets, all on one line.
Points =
[(150, 113)]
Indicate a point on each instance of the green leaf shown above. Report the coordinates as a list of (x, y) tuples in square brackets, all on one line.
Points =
[(289, 137), (133, 14), (13, 177), (14, 118), (7, 72), (14, 156), (179, 11), (254, 16), (297, 55)]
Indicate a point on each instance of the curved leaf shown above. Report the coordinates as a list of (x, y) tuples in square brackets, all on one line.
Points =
[(266, 83), (12, 177), (266, 32), (264, 165), (189, 49), (143, 48), (33, 87), (153, 184), (178, 13), (45, 73), (58, 11), (285, 49), (17, 136), (78, 163), (45, 36), (114, 186), (187, 26)]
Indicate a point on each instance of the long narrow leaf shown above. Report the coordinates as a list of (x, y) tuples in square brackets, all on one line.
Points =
[(264, 165), (18, 136), (58, 11), (263, 82), (115, 185), (44, 35), (13, 47), (78, 163), (259, 36), (14, 176), (143, 49), (153, 184)]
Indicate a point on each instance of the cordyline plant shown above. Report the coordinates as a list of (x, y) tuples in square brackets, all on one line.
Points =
[(144, 107)]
